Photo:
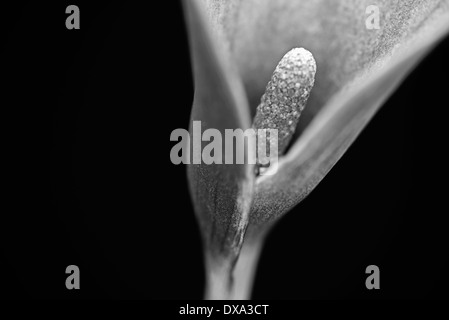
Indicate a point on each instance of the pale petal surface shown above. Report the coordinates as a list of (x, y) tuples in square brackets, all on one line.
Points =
[(260, 32)]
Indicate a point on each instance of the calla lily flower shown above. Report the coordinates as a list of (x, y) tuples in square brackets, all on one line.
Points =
[(235, 46)]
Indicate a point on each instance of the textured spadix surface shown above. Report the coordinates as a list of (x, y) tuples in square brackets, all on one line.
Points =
[(357, 69), (286, 96)]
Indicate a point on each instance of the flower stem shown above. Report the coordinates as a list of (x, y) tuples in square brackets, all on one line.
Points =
[(234, 281)]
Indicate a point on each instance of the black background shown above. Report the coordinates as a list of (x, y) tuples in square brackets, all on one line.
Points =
[(88, 118)]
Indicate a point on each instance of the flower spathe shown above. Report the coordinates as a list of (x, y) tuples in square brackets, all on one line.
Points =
[(235, 46)]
